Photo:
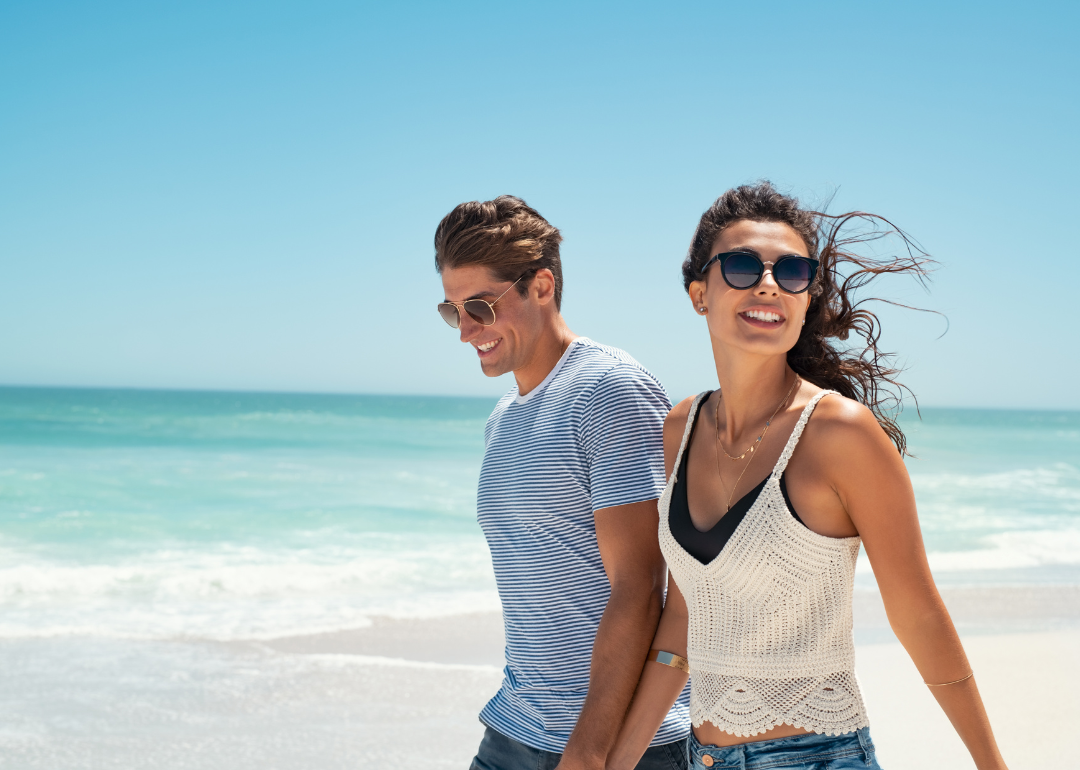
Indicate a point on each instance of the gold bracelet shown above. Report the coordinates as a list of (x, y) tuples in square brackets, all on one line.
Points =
[(958, 681), (669, 659)]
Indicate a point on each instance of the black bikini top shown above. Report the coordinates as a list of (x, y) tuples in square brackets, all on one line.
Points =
[(706, 546)]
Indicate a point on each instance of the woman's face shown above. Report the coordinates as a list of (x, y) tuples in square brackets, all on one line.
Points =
[(765, 319)]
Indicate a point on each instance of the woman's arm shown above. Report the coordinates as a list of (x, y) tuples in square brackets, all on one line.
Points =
[(657, 690), (872, 483), (659, 685)]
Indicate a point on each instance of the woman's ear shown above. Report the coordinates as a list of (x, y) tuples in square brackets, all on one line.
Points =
[(697, 297)]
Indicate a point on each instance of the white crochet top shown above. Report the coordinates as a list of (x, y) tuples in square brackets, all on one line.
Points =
[(770, 636)]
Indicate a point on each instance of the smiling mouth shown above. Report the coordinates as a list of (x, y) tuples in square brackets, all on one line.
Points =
[(486, 347), (762, 317)]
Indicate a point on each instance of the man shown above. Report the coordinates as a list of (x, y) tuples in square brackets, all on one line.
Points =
[(573, 466)]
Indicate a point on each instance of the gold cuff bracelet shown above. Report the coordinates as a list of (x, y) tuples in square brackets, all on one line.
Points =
[(669, 659)]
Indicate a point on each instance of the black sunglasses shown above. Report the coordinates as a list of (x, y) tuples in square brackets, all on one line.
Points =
[(743, 270), (481, 311)]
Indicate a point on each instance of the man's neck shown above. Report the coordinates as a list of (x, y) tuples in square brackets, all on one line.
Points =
[(550, 347)]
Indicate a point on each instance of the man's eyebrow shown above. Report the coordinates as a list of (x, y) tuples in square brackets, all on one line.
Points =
[(478, 295)]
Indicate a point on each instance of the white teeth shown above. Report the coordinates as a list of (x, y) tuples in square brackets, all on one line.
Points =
[(487, 346), (762, 315)]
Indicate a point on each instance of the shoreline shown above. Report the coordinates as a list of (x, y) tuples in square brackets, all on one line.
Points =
[(476, 638), (469, 639)]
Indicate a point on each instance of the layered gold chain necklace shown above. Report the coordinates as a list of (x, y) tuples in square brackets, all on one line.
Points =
[(750, 451)]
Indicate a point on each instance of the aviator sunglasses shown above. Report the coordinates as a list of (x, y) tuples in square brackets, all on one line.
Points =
[(743, 270), (481, 311)]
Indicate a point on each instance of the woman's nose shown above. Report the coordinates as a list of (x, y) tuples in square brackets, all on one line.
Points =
[(768, 283)]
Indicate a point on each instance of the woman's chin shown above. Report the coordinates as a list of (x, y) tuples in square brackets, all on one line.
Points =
[(759, 344)]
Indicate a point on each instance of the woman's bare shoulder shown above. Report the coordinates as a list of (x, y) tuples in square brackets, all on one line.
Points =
[(677, 417), (842, 427), (674, 427)]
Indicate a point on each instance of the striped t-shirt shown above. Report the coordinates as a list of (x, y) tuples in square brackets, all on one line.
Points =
[(588, 437)]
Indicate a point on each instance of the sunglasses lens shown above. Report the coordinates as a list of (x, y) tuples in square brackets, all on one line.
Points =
[(480, 311), (742, 271), (793, 275), (449, 314)]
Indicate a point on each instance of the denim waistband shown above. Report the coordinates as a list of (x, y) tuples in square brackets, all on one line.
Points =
[(784, 752)]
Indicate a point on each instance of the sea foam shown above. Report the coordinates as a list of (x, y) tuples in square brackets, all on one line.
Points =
[(244, 592)]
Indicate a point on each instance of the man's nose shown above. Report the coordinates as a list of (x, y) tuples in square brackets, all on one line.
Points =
[(468, 328)]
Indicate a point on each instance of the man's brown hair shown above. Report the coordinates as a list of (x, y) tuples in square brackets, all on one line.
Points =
[(505, 235)]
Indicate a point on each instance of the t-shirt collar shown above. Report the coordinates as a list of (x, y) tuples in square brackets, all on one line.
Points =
[(554, 371)]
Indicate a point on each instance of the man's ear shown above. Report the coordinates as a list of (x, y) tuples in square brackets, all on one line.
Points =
[(543, 286)]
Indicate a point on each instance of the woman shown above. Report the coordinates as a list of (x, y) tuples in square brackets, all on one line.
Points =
[(775, 479)]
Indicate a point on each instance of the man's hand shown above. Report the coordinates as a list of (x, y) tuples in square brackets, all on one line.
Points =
[(636, 570)]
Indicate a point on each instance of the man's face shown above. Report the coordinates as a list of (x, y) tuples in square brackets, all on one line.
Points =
[(507, 344)]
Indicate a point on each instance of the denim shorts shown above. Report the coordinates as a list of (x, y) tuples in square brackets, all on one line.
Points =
[(498, 752), (799, 752)]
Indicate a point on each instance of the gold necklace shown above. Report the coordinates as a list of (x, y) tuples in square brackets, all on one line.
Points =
[(750, 450), (763, 432)]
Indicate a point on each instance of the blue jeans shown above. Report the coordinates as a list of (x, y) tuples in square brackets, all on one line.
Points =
[(497, 752), (799, 752)]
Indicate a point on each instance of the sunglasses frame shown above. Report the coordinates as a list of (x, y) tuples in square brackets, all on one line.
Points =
[(723, 256), (459, 307)]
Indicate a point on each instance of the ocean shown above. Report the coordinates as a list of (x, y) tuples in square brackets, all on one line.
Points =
[(162, 515)]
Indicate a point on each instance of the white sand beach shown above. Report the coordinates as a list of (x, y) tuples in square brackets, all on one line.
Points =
[(1029, 679), (399, 691), (1029, 682)]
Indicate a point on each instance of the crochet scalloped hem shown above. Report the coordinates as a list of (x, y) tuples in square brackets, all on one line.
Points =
[(745, 707), (808, 727)]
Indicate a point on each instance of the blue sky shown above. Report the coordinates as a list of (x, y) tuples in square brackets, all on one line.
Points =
[(243, 195)]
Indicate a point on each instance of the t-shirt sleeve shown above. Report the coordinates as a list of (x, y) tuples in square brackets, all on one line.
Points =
[(623, 438)]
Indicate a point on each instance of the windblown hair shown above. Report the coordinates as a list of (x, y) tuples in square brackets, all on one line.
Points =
[(505, 235), (860, 371)]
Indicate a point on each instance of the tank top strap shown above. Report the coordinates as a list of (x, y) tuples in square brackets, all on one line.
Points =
[(796, 433), (689, 427)]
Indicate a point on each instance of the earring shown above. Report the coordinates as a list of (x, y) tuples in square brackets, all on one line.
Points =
[(804, 322), (703, 310)]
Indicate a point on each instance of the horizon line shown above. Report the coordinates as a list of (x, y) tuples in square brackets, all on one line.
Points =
[(908, 405)]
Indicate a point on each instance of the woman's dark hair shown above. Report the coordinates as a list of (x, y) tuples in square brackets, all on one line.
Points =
[(864, 375)]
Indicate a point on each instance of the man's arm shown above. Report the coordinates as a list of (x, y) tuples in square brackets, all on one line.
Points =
[(636, 570)]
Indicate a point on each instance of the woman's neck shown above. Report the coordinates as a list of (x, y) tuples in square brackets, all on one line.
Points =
[(751, 388)]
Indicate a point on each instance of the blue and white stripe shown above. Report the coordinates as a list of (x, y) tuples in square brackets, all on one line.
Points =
[(588, 437)]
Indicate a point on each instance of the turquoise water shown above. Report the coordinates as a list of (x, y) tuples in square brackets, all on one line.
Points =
[(153, 514), (998, 489), (122, 469)]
